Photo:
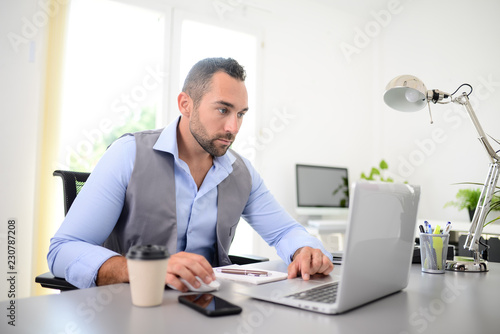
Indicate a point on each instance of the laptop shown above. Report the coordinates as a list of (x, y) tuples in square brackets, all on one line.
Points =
[(376, 260)]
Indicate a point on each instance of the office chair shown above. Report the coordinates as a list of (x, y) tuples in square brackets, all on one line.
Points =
[(72, 184), (494, 250)]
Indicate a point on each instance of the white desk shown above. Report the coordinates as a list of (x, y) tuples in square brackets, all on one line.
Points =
[(448, 303)]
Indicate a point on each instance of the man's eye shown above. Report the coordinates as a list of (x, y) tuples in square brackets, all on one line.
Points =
[(241, 114), (222, 110)]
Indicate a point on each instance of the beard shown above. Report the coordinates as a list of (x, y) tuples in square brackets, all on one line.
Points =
[(209, 144)]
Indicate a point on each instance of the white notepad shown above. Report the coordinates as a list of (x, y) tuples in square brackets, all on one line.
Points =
[(272, 276)]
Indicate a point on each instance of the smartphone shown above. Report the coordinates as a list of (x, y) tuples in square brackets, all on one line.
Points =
[(209, 304)]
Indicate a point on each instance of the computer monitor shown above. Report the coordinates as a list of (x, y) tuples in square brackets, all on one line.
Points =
[(322, 191)]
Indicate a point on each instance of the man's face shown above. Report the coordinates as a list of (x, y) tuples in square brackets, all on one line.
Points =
[(216, 121)]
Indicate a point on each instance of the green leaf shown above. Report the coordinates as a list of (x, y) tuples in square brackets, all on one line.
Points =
[(491, 221), (383, 165), (466, 199), (374, 171)]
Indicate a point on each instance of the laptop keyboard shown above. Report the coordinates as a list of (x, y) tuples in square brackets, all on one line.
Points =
[(323, 294)]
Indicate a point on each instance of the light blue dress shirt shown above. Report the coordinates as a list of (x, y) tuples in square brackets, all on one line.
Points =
[(75, 250)]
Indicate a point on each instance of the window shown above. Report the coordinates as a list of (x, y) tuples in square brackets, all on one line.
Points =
[(113, 78)]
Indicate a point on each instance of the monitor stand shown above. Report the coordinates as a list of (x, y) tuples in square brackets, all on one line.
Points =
[(330, 230), (328, 223)]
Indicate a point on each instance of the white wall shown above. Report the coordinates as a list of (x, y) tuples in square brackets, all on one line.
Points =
[(336, 115), (21, 91), (306, 77), (445, 44)]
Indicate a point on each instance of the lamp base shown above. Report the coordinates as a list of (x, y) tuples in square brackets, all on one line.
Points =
[(467, 264)]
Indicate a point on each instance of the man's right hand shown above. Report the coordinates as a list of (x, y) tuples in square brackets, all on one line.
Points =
[(185, 265), (188, 266)]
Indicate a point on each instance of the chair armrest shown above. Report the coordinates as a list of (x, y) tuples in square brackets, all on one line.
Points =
[(247, 259), (48, 280)]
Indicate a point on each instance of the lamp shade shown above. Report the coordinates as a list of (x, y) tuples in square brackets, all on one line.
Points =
[(406, 93)]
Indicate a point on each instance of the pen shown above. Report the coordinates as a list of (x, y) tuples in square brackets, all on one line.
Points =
[(244, 272), (447, 228), (421, 229), (427, 226)]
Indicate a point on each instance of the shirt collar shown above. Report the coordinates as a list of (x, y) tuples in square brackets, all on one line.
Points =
[(167, 142)]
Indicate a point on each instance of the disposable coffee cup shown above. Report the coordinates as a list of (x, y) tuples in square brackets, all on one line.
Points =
[(147, 268), (433, 252)]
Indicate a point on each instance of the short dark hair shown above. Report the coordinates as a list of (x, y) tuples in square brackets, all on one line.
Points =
[(199, 78)]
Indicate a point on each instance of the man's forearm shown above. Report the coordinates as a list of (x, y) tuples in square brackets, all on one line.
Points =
[(113, 271)]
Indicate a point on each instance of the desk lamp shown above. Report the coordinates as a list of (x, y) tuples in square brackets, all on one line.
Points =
[(408, 93)]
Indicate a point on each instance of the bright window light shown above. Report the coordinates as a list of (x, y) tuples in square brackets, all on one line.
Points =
[(113, 77)]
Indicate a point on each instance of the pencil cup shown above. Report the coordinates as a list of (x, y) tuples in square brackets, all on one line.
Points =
[(147, 268), (433, 252)]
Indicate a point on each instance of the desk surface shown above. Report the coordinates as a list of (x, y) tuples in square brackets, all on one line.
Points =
[(430, 304)]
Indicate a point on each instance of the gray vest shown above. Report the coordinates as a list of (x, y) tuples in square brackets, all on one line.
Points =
[(149, 211)]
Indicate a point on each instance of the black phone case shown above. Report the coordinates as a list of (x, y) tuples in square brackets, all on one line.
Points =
[(227, 309)]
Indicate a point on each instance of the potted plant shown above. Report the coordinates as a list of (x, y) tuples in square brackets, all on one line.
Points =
[(377, 173), (467, 198)]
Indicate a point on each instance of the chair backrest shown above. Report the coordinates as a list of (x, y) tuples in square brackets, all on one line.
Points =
[(72, 184)]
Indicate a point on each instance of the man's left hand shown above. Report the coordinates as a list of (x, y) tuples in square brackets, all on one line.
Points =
[(308, 261)]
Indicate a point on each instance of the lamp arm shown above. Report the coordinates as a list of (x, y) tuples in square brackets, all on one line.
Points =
[(483, 204), (464, 100), (482, 208)]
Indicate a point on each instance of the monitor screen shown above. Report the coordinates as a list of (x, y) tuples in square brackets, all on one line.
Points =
[(322, 187)]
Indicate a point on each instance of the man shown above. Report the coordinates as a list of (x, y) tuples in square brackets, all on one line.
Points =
[(182, 188)]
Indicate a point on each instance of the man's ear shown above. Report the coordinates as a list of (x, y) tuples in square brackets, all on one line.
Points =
[(185, 104)]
